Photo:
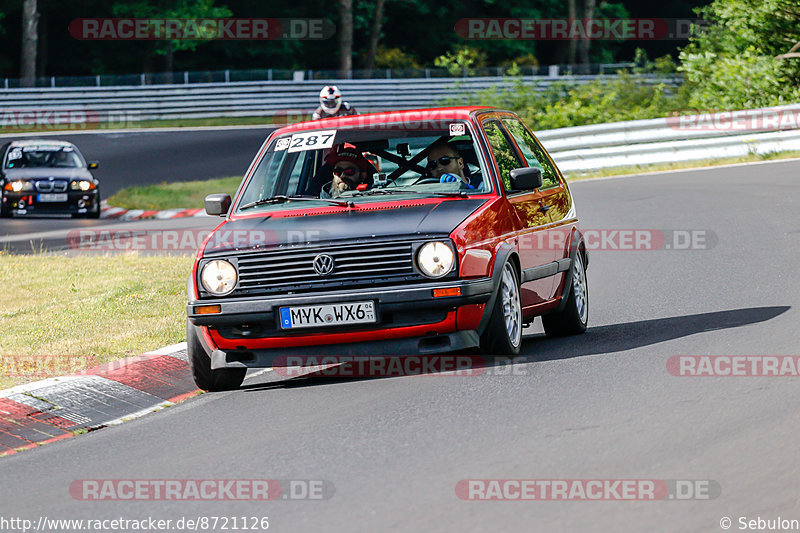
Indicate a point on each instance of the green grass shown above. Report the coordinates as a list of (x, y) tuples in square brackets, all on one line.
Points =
[(177, 195), (61, 314), (661, 167)]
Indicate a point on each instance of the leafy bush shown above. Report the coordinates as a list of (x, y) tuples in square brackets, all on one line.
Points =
[(730, 64), (611, 99)]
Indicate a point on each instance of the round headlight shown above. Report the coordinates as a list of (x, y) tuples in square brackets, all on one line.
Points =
[(218, 277), (435, 259)]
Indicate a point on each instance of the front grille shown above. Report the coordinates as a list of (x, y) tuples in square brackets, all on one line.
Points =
[(51, 185), (291, 269), (352, 263)]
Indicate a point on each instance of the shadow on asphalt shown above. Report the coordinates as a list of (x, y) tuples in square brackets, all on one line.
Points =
[(632, 335), (596, 341)]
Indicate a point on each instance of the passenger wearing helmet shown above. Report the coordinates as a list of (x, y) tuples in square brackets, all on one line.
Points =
[(331, 104), (351, 171)]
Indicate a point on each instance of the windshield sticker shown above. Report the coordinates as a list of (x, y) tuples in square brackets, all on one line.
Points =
[(42, 148), (312, 140), (458, 129), (14, 154), (282, 144)]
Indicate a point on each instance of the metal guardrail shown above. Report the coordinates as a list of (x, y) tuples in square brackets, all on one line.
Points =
[(210, 100), (675, 139), (232, 76)]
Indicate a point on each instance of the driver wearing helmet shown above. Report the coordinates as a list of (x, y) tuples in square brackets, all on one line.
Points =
[(331, 104)]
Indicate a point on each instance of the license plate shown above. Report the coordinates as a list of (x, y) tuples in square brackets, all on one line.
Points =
[(327, 315), (52, 197)]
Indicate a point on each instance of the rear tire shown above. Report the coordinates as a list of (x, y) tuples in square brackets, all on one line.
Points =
[(571, 320), (221, 379), (503, 335)]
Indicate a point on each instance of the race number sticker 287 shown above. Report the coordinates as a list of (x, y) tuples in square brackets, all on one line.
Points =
[(312, 140)]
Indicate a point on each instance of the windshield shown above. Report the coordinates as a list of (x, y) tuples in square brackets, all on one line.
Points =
[(377, 163), (43, 156)]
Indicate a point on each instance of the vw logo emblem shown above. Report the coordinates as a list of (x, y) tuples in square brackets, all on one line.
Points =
[(323, 264)]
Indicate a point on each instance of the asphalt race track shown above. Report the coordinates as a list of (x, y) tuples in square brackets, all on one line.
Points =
[(146, 157), (597, 406)]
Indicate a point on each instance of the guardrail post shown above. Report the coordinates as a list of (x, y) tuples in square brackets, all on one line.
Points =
[(6, 83), (427, 73), (185, 77), (388, 73), (52, 81), (142, 78), (97, 79), (552, 71), (269, 74), (227, 76)]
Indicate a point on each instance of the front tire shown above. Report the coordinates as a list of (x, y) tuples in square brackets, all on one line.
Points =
[(571, 320), (503, 335), (205, 377)]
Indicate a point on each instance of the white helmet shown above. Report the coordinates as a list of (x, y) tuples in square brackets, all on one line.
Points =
[(330, 99)]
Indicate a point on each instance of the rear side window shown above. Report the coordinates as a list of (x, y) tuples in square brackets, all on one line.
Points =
[(533, 152)]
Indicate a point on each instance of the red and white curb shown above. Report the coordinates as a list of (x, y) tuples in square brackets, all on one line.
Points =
[(118, 213), (58, 408)]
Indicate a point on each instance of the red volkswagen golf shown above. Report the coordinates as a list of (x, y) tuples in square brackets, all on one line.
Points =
[(411, 232)]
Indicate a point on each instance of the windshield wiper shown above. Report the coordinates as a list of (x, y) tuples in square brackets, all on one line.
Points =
[(445, 194), (279, 199)]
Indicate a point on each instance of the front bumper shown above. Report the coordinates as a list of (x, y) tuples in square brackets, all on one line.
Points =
[(394, 298), (419, 345), (27, 203), (411, 321)]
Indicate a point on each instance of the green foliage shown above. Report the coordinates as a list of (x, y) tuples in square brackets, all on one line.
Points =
[(172, 9), (461, 60), (610, 99), (731, 63), (394, 58)]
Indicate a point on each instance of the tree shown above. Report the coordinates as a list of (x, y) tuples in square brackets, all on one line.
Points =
[(732, 63), (346, 36), (374, 35), (30, 41), (171, 9)]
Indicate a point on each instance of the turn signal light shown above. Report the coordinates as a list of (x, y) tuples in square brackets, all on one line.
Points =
[(454, 291), (207, 309)]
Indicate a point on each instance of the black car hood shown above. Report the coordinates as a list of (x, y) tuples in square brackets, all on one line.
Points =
[(47, 172), (365, 221)]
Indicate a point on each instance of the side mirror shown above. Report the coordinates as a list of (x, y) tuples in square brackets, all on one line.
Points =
[(93, 165), (525, 179), (218, 204)]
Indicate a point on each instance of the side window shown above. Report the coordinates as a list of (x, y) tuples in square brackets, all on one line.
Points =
[(505, 155), (533, 153)]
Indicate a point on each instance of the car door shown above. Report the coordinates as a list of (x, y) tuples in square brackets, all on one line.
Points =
[(535, 255)]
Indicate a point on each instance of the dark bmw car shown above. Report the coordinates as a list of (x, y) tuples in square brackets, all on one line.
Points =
[(43, 177), (395, 234)]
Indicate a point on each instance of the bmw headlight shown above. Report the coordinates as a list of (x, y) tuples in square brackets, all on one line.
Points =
[(19, 186), (435, 259), (218, 277), (82, 185)]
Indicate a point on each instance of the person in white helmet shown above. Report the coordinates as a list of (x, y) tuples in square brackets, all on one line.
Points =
[(331, 104)]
